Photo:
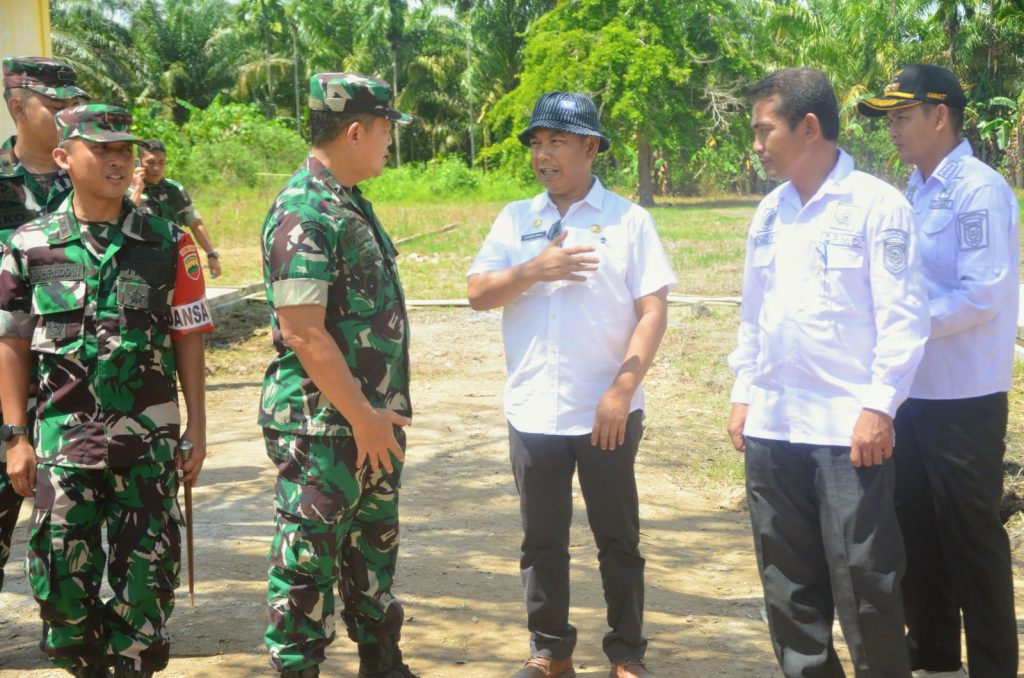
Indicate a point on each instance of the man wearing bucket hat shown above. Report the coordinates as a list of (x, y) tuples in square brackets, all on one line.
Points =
[(31, 184), (106, 303), (950, 432), (583, 280), (336, 396)]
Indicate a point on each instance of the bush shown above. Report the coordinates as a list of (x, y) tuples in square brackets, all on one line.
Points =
[(225, 144), (444, 180)]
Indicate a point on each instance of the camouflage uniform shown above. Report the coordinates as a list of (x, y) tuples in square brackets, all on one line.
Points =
[(23, 198), (169, 199), (336, 524), (102, 304)]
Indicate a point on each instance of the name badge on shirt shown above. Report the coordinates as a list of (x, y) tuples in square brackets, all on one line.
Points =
[(943, 201), (51, 272), (533, 236)]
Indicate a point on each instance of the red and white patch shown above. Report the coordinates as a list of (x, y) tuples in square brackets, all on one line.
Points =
[(190, 260)]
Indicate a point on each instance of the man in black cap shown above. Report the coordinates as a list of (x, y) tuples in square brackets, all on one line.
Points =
[(31, 185), (950, 431), (576, 257)]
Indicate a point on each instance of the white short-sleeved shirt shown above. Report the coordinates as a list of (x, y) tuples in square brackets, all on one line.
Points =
[(565, 341), (969, 237), (835, 313)]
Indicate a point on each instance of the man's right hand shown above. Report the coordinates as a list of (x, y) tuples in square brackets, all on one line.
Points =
[(21, 465), (138, 185), (737, 420), (375, 438), (562, 263)]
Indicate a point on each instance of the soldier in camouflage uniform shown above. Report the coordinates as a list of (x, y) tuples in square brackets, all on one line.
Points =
[(31, 185), (156, 194), (337, 394), (106, 303)]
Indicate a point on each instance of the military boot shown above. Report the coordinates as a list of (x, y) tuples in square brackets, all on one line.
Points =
[(122, 671), (383, 660), (310, 672)]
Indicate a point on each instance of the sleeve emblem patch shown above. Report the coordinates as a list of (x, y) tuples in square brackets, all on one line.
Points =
[(973, 230), (895, 243), (190, 259)]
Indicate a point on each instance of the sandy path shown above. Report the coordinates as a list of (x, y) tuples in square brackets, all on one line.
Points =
[(458, 573)]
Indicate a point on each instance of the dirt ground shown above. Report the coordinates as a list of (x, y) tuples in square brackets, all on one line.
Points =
[(458, 575)]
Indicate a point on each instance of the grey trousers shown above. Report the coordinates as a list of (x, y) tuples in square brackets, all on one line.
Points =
[(543, 466), (827, 540)]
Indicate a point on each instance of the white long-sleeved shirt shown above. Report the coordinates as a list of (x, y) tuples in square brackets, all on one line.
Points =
[(565, 341), (834, 315), (969, 238)]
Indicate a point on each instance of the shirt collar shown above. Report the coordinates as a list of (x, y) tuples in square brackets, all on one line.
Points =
[(945, 171), (594, 198), (835, 183)]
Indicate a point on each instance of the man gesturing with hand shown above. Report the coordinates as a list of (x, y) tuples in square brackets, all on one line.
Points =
[(582, 280)]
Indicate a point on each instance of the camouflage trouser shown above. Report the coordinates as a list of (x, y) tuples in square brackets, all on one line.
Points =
[(10, 504), (66, 559), (336, 525)]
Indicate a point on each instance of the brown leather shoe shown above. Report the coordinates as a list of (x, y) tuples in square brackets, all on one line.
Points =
[(542, 667), (631, 668)]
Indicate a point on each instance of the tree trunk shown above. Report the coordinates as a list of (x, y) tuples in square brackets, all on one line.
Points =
[(266, 56), (394, 84), (295, 72), (644, 165)]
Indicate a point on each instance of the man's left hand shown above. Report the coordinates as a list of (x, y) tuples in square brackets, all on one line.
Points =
[(871, 443), (610, 420), (195, 460)]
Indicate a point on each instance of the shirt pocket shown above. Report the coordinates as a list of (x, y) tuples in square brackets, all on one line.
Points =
[(59, 306), (142, 310), (842, 271), (366, 273), (937, 242)]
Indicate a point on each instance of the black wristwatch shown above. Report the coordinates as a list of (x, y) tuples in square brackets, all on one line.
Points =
[(7, 431), (212, 254)]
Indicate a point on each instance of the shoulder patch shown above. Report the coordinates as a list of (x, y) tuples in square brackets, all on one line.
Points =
[(972, 228), (895, 243), (190, 260)]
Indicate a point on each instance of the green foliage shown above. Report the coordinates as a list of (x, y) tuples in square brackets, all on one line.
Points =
[(668, 76), (225, 144), (443, 181)]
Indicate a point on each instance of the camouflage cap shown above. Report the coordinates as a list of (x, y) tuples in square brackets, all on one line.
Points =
[(43, 75), (353, 93), (101, 123)]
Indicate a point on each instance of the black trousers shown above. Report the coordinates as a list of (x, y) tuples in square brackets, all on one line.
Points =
[(949, 482), (827, 540), (543, 466)]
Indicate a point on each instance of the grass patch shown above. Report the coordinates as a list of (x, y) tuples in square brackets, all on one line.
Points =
[(704, 239)]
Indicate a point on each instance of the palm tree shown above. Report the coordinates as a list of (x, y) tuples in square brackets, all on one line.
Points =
[(91, 37)]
